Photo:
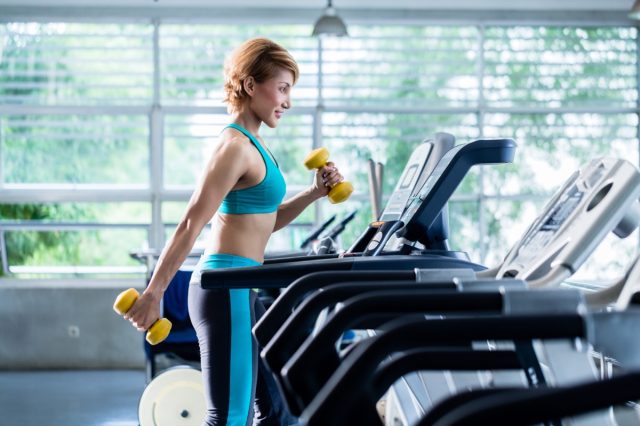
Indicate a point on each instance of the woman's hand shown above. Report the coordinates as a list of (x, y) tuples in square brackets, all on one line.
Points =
[(325, 178), (144, 312)]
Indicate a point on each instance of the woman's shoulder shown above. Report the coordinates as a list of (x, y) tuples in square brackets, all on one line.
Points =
[(232, 140), (230, 152)]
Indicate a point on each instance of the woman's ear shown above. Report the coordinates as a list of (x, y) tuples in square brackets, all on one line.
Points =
[(249, 85)]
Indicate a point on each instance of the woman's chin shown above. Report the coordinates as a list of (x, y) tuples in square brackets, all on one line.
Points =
[(271, 124)]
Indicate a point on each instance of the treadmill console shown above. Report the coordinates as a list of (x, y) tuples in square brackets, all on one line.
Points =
[(438, 188), (599, 198), (405, 186), (423, 159)]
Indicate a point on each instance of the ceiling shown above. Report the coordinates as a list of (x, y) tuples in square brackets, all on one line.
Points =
[(591, 5)]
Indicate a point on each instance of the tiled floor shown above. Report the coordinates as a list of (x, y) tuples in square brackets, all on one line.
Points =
[(70, 398)]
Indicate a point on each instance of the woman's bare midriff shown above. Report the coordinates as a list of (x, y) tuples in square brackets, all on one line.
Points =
[(243, 235)]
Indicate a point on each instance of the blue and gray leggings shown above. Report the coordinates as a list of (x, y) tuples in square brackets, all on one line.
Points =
[(237, 386)]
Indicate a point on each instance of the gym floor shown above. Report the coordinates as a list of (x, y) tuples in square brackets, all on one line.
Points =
[(70, 398)]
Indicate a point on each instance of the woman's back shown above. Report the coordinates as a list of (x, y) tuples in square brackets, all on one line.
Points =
[(247, 216)]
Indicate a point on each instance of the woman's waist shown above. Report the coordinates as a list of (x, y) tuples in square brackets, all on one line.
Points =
[(209, 261), (226, 260), (224, 251), (250, 245), (245, 223)]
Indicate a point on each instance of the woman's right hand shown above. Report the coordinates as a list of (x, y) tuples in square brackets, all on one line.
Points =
[(144, 312)]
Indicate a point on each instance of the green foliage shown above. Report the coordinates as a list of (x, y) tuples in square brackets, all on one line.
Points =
[(24, 246)]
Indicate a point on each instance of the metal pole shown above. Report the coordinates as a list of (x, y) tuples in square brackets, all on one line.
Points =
[(317, 127), (482, 222), (156, 148), (3, 253)]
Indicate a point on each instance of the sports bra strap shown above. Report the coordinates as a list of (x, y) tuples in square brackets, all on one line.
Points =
[(254, 141)]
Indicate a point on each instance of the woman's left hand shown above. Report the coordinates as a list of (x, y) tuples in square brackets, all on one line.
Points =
[(326, 178)]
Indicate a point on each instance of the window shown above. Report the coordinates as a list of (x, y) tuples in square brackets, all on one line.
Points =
[(105, 127)]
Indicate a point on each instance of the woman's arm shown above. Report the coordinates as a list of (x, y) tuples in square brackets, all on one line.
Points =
[(291, 208), (324, 179), (225, 167)]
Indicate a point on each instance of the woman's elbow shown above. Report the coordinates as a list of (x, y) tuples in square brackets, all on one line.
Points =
[(190, 227)]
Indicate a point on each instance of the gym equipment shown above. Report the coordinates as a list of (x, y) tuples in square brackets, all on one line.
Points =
[(625, 292), (375, 174), (316, 159), (315, 233), (441, 184), (349, 394), (317, 243), (422, 162), (174, 398), (158, 331), (580, 225), (602, 197), (599, 198), (363, 306), (537, 406), (326, 243)]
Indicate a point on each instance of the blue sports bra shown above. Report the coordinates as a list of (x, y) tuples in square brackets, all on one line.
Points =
[(264, 197)]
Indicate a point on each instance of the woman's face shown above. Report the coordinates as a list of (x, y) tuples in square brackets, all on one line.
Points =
[(272, 97)]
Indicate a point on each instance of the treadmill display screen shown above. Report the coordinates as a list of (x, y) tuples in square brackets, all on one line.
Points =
[(593, 178), (408, 177), (551, 223), (563, 210), (416, 201), (400, 196)]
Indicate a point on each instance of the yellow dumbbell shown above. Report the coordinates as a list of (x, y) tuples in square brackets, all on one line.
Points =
[(158, 331), (317, 159)]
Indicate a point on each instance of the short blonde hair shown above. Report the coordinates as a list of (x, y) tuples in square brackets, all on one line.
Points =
[(259, 58)]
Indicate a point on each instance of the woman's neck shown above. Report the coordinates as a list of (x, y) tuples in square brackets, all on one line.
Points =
[(249, 121)]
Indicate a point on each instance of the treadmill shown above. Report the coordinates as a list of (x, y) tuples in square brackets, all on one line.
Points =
[(600, 198)]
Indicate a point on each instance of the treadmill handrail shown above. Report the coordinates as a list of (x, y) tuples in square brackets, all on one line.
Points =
[(316, 232), (282, 274), (340, 226), (298, 326), (406, 333), (272, 320), (354, 374), (369, 311), (362, 406), (446, 177), (537, 405)]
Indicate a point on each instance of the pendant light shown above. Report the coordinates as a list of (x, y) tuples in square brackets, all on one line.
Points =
[(330, 24), (634, 13)]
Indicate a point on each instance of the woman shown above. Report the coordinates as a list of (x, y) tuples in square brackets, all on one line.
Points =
[(242, 189)]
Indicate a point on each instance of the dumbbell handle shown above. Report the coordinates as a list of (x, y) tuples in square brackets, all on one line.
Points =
[(158, 331), (317, 159)]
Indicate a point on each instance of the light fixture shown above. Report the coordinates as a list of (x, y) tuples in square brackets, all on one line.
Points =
[(634, 13), (330, 24)]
